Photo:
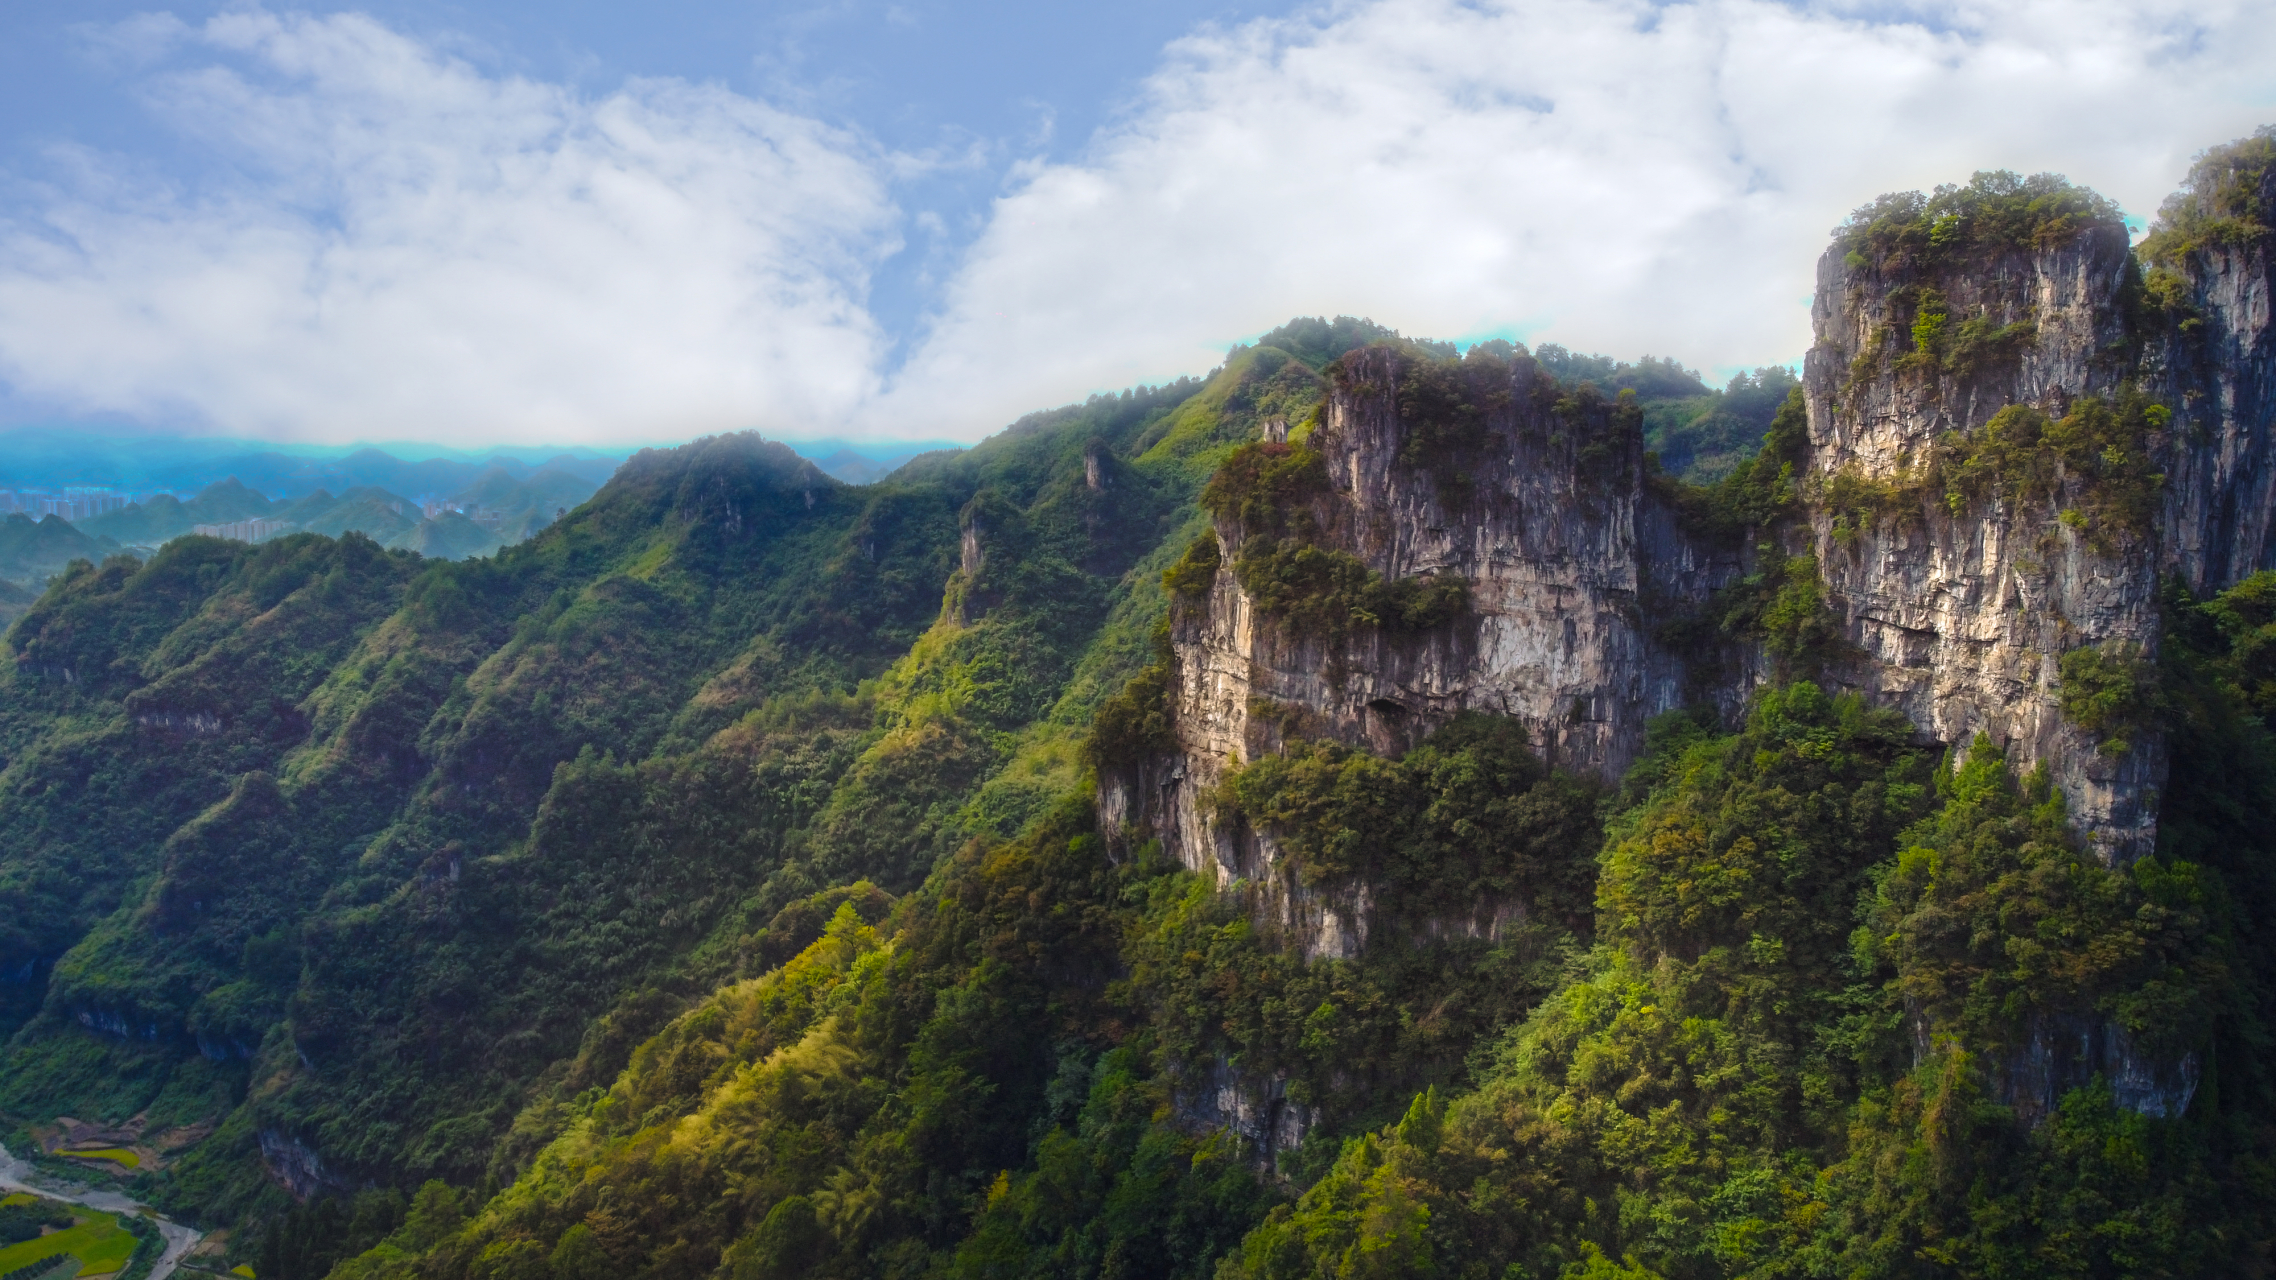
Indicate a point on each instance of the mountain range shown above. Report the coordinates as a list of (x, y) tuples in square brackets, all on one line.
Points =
[(52, 458), (1377, 809), (507, 509)]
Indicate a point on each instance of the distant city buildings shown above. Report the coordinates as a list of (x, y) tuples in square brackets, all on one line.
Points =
[(75, 502), (242, 530)]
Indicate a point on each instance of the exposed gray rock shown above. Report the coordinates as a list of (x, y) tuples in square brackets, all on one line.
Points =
[(1570, 557), (2214, 361), (296, 1166), (1956, 612), (193, 724), (1258, 1112), (2064, 1053), (1958, 618)]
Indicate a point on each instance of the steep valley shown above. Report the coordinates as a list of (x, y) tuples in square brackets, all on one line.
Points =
[(1354, 814)]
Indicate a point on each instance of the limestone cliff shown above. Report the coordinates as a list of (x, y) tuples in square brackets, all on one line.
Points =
[(1954, 587), (1571, 556), (2208, 350), (1958, 608)]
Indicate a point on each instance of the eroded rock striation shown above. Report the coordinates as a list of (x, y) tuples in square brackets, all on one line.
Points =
[(1544, 509), (1959, 605), (1960, 553)]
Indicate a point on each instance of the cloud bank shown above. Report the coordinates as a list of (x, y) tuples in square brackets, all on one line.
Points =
[(1618, 176), (395, 244)]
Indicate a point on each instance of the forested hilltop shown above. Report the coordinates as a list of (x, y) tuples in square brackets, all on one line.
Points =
[(1376, 810)]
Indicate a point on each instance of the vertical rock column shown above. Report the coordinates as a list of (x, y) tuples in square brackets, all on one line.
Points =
[(1957, 611)]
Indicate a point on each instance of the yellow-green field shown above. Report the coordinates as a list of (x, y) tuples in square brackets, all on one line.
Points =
[(18, 1198), (98, 1241), (118, 1154)]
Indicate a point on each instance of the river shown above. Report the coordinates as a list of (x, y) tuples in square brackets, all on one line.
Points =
[(18, 1175)]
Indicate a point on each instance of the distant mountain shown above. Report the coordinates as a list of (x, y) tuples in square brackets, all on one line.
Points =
[(373, 512), (143, 524), (227, 500), (449, 536), (433, 477), (14, 600), (854, 468), (498, 510), (51, 459), (514, 503), (147, 524), (33, 551), (526, 505)]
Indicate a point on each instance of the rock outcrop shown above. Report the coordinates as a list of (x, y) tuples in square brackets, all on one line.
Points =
[(2209, 351), (1953, 607), (1951, 600), (1958, 611), (1570, 555), (296, 1167)]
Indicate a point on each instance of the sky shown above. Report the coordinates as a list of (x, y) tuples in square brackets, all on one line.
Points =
[(503, 222)]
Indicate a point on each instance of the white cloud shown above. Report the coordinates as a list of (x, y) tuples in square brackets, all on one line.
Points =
[(392, 244), (1609, 174), (399, 247)]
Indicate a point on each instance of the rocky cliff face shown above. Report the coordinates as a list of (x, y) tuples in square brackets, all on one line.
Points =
[(1952, 604), (2017, 432), (1571, 559), (2208, 350), (1958, 610)]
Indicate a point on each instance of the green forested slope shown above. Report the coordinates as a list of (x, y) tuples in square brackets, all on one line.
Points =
[(31, 551), (1749, 1077), (369, 855), (710, 886), (374, 513)]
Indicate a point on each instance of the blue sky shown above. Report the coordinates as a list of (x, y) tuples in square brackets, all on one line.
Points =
[(990, 82), (605, 224)]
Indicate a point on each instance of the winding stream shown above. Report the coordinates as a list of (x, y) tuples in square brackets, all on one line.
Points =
[(19, 1175)]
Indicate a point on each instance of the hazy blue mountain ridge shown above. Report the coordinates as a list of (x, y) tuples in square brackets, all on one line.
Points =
[(31, 550), (53, 458), (498, 508)]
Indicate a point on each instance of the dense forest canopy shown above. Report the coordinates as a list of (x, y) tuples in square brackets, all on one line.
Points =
[(713, 885)]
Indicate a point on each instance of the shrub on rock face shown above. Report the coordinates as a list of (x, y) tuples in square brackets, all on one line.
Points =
[(1470, 816), (1196, 571), (2110, 692), (1270, 492), (1134, 724), (2226, 201), (1996, 212)]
